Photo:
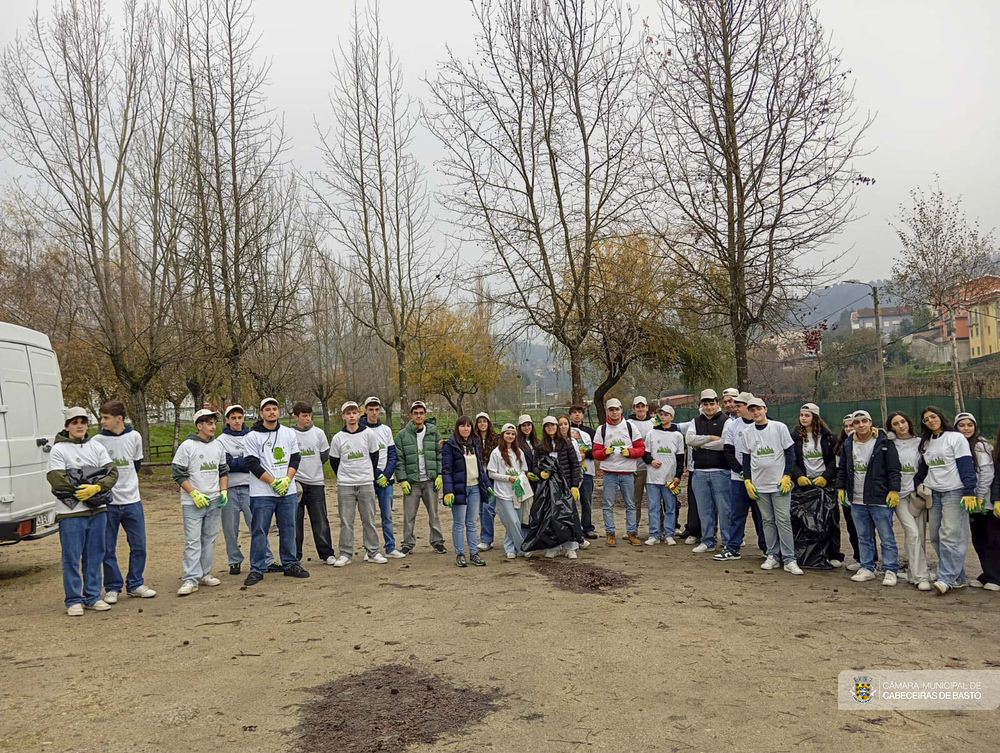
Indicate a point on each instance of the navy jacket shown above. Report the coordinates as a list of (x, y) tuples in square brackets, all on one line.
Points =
[(453, 470), (826, 443), (884, 473), (236, 464)]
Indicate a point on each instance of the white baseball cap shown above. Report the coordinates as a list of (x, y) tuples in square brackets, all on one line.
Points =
[(811, 407), (744, 397), (639, 399), (267, 400), (508, 427), (613, 403), (756, 402), (483, 415), (75, 412), (234, 406), (709, 394), (205, 413), (969, 416), (549, 420), (418, 404), (861, 414), (372, 401), (730, 392), (524, 418), (349, 404), (667, 408)]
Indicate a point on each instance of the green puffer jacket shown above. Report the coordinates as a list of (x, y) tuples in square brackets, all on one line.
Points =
[(407, 465)]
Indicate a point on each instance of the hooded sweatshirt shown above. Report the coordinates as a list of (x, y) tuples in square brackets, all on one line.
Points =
[(386, 447), (125, 450), (77, 453), (232, 442), (315, 451), (271, 451), (202, 462)]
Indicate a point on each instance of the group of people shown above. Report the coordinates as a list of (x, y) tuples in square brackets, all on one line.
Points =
[(738, 463)]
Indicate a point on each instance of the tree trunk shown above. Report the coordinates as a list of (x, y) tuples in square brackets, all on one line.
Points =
[(140, 419), (197, 393), (599, 394), (404, 403), (577, 390), (956, 376), (741, 348), (235, 387), (326, 416), (177, 423)]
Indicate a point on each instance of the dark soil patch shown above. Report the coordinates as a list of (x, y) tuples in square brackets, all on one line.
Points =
[(580, 577), (388, 709)]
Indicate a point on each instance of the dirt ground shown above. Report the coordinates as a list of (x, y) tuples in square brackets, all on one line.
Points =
[(690, 655)]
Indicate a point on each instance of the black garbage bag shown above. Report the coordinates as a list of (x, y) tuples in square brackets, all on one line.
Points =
[(814, 520), (554, 519), (88, 474)]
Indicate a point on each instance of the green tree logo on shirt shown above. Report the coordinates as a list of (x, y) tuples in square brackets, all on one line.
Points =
[(208, 466), (279, 455), (355, 455), (936, 462), (307, 452), (121, 462), (663, 450), (860, 467), (907, 468), (764, 451), (814, 454)]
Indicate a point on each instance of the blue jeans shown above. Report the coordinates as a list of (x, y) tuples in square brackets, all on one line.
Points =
[(131, 518), (487, 515), (612, 483), (740, 505), (513, 538), (384, 497), (201, 529), (83, 538), (263, 509), (586, 497), (465, 522), (661, 525), (711, 490), (868, 519), (949, 535), (239, 502)]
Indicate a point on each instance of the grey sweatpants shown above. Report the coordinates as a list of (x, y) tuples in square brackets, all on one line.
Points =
[(421, 490), (362, 500)]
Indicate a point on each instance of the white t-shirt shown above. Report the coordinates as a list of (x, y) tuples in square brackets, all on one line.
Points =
[(580, 440), (812, 456), (614, 437), (67, 455), (124, 449), (732, 434), (499, 472), (642, 428), (984, 471), (663, 446), (383, 432), (862, 454), (421, 463), (940, 454), (909, 458), (202, 461), (312, 445), (273, 449), (354, 451), (766, 447)]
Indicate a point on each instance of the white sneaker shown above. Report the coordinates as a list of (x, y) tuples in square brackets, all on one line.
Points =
[(111, 597), (924, 586), (210, 580), (187, 587), (889, 579), (974, 583), (770, 563), (512, 555), (571, 554), (836, 563), (863, 575), (484, 547), (991, 587), (671, 541), (903, 576), (793, 568), (377, 558), (690, 540), (700, 548), (585, 544), (651, 540), (75, 610), (395, 554), (331, 560), (551, 554), (854, 567), (140, 592), (941, 587), (98, 606)]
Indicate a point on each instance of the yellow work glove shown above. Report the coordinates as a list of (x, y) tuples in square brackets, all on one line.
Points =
[(892, 499), (404, 486), (842, 497), (803, 481), (623, 452), (785, 485), (382, 480), (996, 508), (751, 489), (575, 492), (819, 481), (280, 485), (674, 486), (970, 503), (86, 491), (223, 498), (438, 483), (449, 500), (544, 474), (199, 499), (532, 477)]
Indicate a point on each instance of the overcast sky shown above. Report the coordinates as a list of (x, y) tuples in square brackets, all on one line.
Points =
[(930, 70)]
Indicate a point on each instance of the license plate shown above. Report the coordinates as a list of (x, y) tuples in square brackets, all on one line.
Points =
[(45, 520)]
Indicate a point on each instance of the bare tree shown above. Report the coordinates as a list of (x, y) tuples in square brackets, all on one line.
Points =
[(543, 134), (941, 258), (373, 193), (755, 132)]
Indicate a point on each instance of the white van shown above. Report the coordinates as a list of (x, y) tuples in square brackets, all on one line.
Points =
[(31, 413)]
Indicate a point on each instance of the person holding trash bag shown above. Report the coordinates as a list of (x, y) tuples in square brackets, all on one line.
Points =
[(464, 489), (979, 522), (868, 480), (508, 469), (815, 512), (555, 521), (911, 510)]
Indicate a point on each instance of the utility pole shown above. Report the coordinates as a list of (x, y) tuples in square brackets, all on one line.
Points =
[(879, 357)]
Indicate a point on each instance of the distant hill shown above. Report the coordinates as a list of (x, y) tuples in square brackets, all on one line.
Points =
[(829, 303)]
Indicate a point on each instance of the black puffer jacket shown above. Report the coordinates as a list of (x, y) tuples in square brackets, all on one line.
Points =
[(569, 466), (827, 443)]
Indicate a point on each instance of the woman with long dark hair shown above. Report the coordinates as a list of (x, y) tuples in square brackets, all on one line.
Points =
[(852, 531), (464, 487), (816, 465), (486, 438), (947, 469), (554, 445), (910, 511), (981, 522), (527, 439), (506, 466)]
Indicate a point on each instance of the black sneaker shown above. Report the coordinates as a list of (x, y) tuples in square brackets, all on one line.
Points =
[(234, 569), (406, 549), (253, 578), (590, 535), (460, 561), (725, 556), (274, 567), (478, 561), (296, 571), (439, 548)]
